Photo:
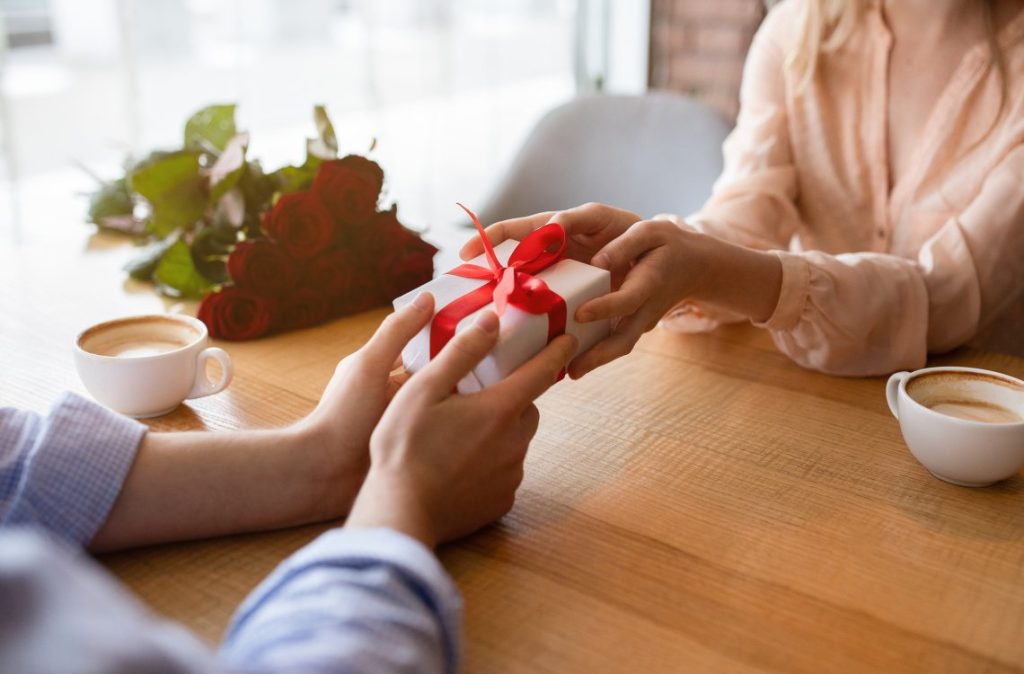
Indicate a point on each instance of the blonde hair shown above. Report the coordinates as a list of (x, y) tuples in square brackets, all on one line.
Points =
[(824, 25)]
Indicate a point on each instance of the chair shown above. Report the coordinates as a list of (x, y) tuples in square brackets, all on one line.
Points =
[(657, 153)]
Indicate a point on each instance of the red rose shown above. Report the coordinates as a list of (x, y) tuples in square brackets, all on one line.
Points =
[(367, 292), (262, 267), (304, 308), (333, 274), (410, 270), (300, 223), (349, 188), (237, 314), (383, 238)]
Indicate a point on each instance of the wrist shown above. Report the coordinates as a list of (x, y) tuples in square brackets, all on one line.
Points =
[(698, 266), (389, 502), (331, 472), (733, 277)]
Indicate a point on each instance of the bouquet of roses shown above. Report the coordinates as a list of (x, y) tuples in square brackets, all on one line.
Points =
[(266, 252)]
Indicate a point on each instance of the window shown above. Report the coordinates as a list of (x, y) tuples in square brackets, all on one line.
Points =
[(447, 87)]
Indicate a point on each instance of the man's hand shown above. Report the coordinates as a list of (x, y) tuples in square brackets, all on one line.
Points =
[(444, 464), (354, 400)]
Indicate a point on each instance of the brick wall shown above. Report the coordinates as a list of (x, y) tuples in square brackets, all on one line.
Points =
[(698, 47)]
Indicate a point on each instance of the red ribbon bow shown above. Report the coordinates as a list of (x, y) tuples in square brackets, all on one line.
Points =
[(513, 285)]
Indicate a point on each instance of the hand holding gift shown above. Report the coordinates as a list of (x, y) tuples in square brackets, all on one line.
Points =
[(530, 285)]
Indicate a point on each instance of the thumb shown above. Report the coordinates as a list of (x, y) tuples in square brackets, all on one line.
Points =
[(457, 358), (386, 345)]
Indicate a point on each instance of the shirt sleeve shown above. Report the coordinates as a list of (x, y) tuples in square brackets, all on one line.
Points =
[(63, 472), (63, 613), (352, 601), (868, 313), (752, 202)]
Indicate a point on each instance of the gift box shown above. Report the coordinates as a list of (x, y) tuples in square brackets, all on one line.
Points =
[(532, 288)]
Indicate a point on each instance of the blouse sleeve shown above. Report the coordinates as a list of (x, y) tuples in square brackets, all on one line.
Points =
[(752, 203), (869, 313)]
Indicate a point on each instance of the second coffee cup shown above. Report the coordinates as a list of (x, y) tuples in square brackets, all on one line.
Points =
[(965, 425)]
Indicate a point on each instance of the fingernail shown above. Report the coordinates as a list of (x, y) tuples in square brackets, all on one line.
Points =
[(488, 322), (422, 301), (584, 316), (600, 260)]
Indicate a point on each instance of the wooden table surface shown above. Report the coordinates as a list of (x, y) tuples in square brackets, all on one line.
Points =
[(702, 505)]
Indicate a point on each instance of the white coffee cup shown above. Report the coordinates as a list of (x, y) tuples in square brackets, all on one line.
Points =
[(965, 425), (145, 366)]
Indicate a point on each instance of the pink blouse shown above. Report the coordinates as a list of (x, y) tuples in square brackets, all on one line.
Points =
[(874, 280)]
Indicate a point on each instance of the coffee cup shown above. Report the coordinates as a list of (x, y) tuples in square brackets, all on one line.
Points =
[(145, 366), (965, 425)]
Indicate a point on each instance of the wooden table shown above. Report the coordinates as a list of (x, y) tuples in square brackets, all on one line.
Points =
[(702, 505)]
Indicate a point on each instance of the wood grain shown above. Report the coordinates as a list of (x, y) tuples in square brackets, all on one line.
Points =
[(701, 505)]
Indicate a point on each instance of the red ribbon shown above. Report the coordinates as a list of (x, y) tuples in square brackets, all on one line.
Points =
[(513, 285)]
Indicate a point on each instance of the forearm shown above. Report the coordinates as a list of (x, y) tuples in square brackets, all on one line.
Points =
[(200, 484), (736, 278)]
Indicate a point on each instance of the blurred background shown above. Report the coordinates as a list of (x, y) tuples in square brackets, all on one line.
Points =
[(448, 88)]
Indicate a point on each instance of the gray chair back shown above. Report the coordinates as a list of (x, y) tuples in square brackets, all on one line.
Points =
[(656, 153)]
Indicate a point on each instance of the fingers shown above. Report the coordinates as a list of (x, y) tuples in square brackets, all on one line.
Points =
[(385, 347), (529, 422), (618, 344), (590, 224), (525, 385), (465, 350), (396, 380), (635, 290), (639, 239), (516, 228)]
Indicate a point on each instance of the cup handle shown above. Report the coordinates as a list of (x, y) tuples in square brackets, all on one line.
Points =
[(892, 388), (203, 386)]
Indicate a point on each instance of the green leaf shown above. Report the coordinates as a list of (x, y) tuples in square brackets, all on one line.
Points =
[(112, 199), (227, 170), (174, 187), (177, 274), (142, 267), (325, 145), (257, 187), (210, 249), (211, 128), (318, 150), (294, 178)]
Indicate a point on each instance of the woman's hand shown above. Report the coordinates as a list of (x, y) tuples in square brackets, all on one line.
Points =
[(588, 228), (662, 264), (444, 464), (654, 265)]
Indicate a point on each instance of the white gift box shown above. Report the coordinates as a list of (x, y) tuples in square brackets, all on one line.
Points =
[(521, 334)]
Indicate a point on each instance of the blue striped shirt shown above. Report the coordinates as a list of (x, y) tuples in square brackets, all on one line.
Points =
[(350, 601)]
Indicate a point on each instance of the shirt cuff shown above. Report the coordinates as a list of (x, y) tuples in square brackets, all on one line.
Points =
[(82, 457), (349, 556), (793, 294), (389, 547)]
